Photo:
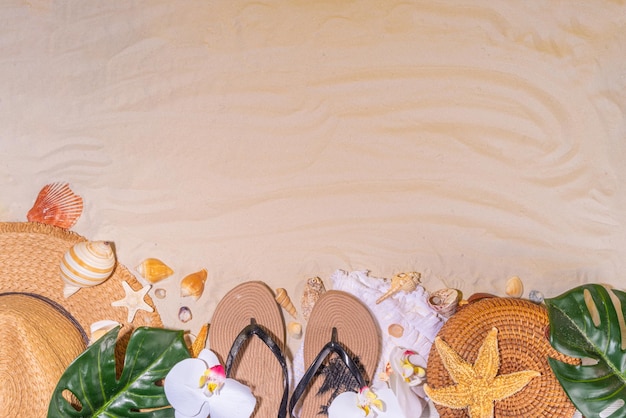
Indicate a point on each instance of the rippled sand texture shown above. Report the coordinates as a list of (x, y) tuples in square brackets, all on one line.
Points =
[(467, 140)]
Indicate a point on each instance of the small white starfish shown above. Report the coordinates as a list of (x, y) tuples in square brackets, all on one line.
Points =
[(133, 301)]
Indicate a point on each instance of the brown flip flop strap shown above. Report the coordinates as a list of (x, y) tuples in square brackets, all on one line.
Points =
[(247, 332), (332, 347)]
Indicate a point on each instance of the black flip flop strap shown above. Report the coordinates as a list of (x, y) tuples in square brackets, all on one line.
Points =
[(332, 347), (247, 332)]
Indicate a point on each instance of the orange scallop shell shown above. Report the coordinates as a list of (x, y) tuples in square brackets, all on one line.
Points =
[(56, 205)]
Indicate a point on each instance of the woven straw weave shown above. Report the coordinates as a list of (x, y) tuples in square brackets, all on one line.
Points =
[(523, 345), (30, 254)]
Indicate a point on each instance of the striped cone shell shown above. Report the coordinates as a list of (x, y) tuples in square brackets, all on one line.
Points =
[(86, 264)]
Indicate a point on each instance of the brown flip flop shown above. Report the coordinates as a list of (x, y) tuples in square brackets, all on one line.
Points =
[(247, 333), (342, 348)]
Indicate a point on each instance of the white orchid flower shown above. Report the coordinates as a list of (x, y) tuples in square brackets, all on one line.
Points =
[(407, 380), (408, 364), (198, 387), (380, 403)]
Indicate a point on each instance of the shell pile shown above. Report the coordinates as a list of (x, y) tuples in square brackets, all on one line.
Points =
[(445, 301), (402, 281), (193, 284), (313, 289), (284, 300), (56, 205), (86, 264), (154, 270)]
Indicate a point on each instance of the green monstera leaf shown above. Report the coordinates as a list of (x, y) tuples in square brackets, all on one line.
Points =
[(588, 322), (91, 378)]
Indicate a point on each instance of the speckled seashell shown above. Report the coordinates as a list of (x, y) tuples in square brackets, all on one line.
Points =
[(313, 289), (160, 293), (445, 301), (395, 330), (86, 264), (154, 270), (535, 296), (184, 314), (294, 329), (56, 205), (514, 287), (402, 281), (284, 300), (193, 284), (99, 328)]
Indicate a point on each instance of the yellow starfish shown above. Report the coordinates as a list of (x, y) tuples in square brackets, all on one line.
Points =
[(477, 385)]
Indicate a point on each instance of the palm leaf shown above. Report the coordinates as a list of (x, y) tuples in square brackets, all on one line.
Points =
[(588, 323), (91, 378)]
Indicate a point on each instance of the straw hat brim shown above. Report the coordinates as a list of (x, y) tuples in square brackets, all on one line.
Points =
[(522, 344), (39, 340), (255, 366), (30, 256), (357, 332)]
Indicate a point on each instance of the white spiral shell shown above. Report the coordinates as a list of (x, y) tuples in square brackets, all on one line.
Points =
[(87, 263)]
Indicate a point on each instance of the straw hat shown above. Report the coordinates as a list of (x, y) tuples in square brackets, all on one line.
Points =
[(38, 340), (522, 346), (40, 328)]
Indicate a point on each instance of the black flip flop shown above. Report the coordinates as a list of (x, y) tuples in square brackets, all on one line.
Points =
[(331, 347), (247, 332)]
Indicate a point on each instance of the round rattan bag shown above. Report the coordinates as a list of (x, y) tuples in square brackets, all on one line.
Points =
[(522, 346)]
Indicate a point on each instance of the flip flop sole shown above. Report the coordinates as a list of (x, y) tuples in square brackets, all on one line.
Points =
[(255, 366), (359, 334)]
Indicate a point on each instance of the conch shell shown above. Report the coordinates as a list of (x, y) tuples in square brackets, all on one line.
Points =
[(193, 284), (445, 301), (86, 264), (56, 205), (313, 289), (284, 300), (402, 281), (154, 270)]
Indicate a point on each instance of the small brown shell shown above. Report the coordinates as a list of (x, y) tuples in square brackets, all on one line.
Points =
[(402, 281), (284, 300), (154, 270), (395, 330), (56, 205), (313, 289), (514, 287), (294, 329), (193, 284)]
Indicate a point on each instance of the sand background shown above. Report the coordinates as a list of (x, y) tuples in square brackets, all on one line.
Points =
[(468, 140)]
